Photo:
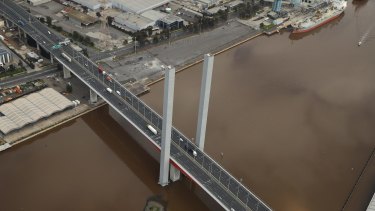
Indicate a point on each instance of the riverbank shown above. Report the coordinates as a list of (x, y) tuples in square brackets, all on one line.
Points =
[(220, 50), (43, 126)]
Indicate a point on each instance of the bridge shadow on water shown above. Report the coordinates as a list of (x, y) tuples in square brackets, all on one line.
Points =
[(142, 164)]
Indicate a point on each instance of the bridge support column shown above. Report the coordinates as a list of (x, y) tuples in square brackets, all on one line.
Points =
[(93, 96), (37, 47), (51, 58), (204, 100), (66, 72), (167, 126), (174, 173)]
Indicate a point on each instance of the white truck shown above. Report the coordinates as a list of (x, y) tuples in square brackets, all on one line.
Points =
[(152, 129)]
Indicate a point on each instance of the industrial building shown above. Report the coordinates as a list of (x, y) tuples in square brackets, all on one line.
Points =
[(134, 6), (80, 18), (30, 109), (37, 2), (170, 22), (5, 56), (207, 3), (91, 4), (276, 6), (132, 22), (137, 6)]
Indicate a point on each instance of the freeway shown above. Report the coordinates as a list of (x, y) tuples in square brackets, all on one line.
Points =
[(28, 77), (208, 174)]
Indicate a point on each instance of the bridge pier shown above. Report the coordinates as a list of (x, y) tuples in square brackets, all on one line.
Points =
[(204, 100), (51, 58), (93, 96), (167, 125), (66, 72)]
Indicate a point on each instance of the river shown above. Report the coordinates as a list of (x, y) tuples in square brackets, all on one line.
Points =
[(292, 115)]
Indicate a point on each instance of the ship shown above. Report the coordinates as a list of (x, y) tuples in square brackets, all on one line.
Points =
[(331, 11)]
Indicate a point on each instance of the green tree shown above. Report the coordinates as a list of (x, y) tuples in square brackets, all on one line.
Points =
[(149, 30), (155, 39), (69, 88), (20, 63), (49, 20), (84, 51)]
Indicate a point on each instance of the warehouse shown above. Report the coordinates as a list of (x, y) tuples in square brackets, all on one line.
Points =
[(30, 109), (170, 22), (137, 6), (134, 6), (37, 2), (132, 22), (5, 56), (80, 18), (91, 4)]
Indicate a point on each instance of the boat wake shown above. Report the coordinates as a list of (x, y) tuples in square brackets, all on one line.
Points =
[(366, 36)]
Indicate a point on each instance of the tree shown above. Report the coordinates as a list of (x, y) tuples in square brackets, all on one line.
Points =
[(20, 63), (149, 30), (155, 39), (11, 67), (49, 20), (84, 51), (69, 88), (87, 40), (110, 20), (98, 14), (75, 35)]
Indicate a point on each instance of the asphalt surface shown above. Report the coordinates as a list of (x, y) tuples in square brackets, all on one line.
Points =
[(27, 77), (217, 182), (103, 55)]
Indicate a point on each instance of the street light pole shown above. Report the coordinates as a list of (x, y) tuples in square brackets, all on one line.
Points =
[(135, 44)]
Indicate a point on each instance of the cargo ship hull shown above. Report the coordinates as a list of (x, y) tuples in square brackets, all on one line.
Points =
[(304, 30)]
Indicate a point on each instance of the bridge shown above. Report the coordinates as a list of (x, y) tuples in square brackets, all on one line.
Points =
[(210, 176)]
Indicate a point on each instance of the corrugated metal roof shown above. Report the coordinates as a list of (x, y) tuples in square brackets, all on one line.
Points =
[(31, 108), (138, 6)]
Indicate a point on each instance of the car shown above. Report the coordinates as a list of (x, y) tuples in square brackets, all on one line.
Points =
[(192, 151), (49, 32), (20, 22), (118, 92), (86, 64), (44, 42)]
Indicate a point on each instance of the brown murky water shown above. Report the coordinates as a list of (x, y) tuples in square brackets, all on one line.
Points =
[(293, 115), (89, 164)]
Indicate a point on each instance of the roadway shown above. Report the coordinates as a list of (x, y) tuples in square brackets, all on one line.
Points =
[(28, 77), (209, 175)]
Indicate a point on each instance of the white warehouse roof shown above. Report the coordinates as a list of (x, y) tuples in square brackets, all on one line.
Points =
[(29, 109), (137, 6)]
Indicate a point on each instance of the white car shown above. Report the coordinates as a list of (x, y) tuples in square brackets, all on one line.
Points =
[(118, 92), (49, 32)]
